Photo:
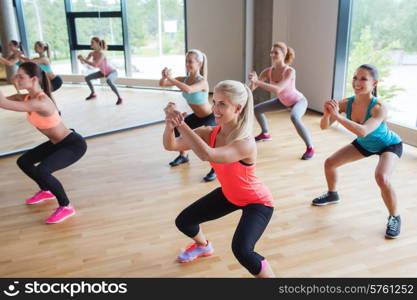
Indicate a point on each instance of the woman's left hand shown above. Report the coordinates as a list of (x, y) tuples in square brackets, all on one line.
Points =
[(333, 107)]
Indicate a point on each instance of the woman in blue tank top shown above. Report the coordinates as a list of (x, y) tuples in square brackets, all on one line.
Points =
[(366, 118), (44, 51), (195, 90)]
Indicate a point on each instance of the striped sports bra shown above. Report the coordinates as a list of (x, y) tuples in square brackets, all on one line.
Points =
[(42, 122)]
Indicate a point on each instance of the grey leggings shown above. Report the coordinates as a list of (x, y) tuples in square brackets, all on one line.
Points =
[(110, 78), (297, 111)]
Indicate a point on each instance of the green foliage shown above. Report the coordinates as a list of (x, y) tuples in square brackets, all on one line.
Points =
[(45, 19), (364, 52)]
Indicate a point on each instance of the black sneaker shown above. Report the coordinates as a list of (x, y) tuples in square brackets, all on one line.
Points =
[(393, 227), (328, 198), (179, 160), (92, 96), (210, 176)]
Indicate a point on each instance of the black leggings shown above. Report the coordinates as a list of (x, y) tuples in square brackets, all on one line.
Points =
[(56, 83), (254, 219), (52, 157), (194, 122)]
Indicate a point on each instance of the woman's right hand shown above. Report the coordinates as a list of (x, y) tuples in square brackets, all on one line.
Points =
[(253, 77)]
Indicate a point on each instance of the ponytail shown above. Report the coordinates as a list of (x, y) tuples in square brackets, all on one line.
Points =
[(287, 51), (201, 58), (45, 48), (103, 44), (33, 69), (239, 94)]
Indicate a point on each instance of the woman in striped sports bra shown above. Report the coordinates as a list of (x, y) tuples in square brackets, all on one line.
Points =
[(366, 118), (280, 80), (44, 61), (98, 59), (231, 150), (63, 148), (195, 90)]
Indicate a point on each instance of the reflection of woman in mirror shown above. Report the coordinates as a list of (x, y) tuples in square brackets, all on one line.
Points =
[(98, 59), (15, 49), (44, 52), (195, 90), (231, 150), (64, 147)]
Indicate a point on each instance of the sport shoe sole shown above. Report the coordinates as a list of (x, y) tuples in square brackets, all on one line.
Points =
[(40, 201), (325, 203), (198, 256), (63, 219), (390, 237)]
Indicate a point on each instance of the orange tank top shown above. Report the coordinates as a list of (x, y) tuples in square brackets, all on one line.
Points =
[(42, 122), (239, 182)]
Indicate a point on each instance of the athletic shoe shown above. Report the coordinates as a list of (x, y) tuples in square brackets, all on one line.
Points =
[(210, 176), (40, 197), (393, 227), (308, 154), (179, 160), (92, 96), (327, 198), (263, 137), (195, 251), (60, 214), (119, 101)]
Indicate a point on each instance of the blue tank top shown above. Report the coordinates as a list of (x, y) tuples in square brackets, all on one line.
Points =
[(46, 68), (18, 63), (196, 98), (379, 138)]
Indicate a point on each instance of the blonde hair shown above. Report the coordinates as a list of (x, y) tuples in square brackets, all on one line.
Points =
[(45, 47), (289, 53), (100, 42), (239, 94), (201, 58)]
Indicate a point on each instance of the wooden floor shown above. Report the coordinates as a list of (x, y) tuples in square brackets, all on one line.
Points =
[(127, 198), (88, 117)]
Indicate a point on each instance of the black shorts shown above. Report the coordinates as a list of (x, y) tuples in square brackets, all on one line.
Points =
[(396, 148), (194, 122)]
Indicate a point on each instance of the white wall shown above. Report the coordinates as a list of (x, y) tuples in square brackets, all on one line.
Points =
[(217, 28), (310, 28)]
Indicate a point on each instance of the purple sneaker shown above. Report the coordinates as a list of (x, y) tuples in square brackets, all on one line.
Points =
[(195, 251)]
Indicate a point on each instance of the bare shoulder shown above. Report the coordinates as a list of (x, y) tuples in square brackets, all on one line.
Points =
[(343, 104), (378, 109)]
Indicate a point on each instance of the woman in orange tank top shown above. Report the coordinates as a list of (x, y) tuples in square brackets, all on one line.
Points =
[(63, 148), (231, 151)]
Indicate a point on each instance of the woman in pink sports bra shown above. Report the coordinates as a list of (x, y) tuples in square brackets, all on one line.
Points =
[(63, 148), (280, 80), (98, 59), (231, 151)]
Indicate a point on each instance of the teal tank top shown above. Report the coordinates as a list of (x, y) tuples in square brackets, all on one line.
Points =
[(379, 138), (45, 68), (18, 63), (196, 98)]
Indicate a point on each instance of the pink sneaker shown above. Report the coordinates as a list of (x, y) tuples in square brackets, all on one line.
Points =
[(60, 214), (308, 154), (40, 197), (263, 137)]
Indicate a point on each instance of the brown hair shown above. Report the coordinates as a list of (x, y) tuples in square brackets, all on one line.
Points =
[(17, 44), (374, 73), (100, 42), (33, 70), (289, 53)]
